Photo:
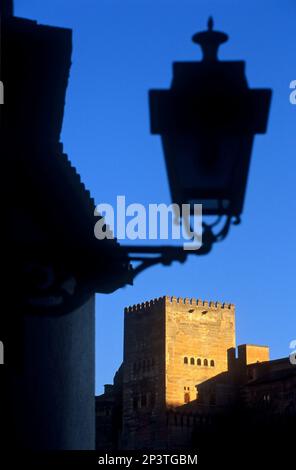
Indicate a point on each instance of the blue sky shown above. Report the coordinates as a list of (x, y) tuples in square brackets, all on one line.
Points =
[(122, 48)]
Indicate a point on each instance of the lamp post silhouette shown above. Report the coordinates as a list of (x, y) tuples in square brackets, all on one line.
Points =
[(207, 121)]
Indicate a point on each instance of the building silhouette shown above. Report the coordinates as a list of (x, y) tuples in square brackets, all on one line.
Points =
[(183, 378), (52, 262)]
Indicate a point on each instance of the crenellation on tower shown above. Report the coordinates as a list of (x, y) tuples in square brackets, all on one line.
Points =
[(180, 302), (144, 306)]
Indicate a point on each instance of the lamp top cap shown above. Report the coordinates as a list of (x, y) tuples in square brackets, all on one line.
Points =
[(210, 41)]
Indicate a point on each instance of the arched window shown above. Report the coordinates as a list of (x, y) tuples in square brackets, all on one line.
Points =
[(206, 362), (192, 361), (212, 363), (186, 397), (198, 362), (185, 360)]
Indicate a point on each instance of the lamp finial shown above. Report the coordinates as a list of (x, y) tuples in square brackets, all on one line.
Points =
[(210, 41), (210, 23)]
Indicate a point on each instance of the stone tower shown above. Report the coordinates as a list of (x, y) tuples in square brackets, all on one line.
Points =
[(170, 345)]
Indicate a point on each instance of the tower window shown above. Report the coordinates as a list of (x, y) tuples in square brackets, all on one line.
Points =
[(206, 362), (192, 361), (212, 363), (198, 362), (185, 360), (186, 397)]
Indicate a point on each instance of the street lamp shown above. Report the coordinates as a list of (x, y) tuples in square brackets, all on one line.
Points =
[(207, 121)]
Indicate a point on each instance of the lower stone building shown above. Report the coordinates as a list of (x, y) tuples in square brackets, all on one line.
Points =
[(182, 378)]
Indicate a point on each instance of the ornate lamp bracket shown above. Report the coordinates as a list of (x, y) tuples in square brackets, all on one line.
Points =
[(148, 256)]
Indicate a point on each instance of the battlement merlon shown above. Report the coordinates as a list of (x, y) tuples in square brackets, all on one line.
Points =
[(145, 306), (186, 301), (199, 303)]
